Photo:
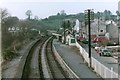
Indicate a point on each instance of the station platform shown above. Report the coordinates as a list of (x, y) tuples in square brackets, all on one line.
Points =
[(74, 60)]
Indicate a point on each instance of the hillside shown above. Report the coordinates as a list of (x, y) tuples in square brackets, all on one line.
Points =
[(55, 21)]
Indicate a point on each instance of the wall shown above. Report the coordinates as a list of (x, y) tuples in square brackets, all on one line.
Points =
[(99, 68)]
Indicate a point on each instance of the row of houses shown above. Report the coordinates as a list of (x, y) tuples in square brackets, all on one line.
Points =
[(102, 28), (108, 29)]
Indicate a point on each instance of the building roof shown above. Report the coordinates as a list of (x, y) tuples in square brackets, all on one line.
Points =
[(99, 39), (111, 22)]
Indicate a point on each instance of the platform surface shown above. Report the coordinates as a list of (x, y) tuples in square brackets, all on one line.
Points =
[(74, 60)]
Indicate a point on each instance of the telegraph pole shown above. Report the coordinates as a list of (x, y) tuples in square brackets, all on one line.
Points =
[(64, 31), (98, 14), (1, 58), (81, 28), (89, 17), (89, 31)]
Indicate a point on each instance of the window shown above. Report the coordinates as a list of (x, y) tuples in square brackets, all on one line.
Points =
[(101, 30), (72, 40)]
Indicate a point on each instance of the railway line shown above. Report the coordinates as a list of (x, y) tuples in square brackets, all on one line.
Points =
[(41, 62), (31, 67), (55, 69)]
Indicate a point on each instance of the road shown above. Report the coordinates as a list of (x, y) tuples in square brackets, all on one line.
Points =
[(107, 61)]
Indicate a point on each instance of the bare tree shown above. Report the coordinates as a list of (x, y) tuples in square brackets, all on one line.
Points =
[(29, 14), (36, 17), (4, 14)]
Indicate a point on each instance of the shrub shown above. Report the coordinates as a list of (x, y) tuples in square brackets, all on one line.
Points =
[(8, 54), (111, 44)]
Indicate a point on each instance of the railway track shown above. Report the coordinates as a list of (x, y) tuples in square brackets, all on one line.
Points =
[(41, 63), (55, 69), (31, 67), (51, 68)]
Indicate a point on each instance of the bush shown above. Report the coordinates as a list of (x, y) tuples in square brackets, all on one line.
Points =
[(8, 54), (111, 44)]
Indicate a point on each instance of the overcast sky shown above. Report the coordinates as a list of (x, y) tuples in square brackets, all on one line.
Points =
[(45, 8)]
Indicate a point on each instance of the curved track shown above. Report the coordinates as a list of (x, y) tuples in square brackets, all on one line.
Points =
[(41, 63), (31, 67), (55, 69)]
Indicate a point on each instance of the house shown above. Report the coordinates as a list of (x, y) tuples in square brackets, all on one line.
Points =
[(68, 38), (98, 27), (112, 29), (77, 26), (104, 28)]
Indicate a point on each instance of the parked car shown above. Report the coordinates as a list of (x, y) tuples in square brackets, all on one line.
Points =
[(93, 45), (105, 52), (85, 41)]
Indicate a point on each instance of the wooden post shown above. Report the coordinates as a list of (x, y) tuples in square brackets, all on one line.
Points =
[(89, 31)]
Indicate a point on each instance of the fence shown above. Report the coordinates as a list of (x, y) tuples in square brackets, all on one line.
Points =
[(98, 67)]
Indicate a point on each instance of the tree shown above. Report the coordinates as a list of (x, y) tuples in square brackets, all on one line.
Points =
[(66, 25), (98, 14), (4, 13), (36, 17), (118, 14), (62, 12), (58, 14), (29, 14), (107, 14), (7, 37), (9, 22), (5, 34)]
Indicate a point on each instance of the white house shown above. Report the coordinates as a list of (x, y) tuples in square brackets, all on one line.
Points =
[(112, 29), (77, 26), (97, 27), (69, 40)]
